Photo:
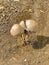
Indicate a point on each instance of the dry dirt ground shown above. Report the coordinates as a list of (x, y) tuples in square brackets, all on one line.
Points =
[(12, 52)]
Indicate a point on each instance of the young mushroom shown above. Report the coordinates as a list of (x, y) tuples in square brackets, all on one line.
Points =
[(22, 24), (16, 30), (31, 25)]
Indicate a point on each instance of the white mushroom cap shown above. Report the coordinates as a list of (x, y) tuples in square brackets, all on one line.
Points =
[(31, 25), (16, 30), (22, 24)]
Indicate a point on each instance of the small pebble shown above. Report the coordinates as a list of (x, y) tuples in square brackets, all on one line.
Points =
[(25, 60), (30, 10), (42, 11)]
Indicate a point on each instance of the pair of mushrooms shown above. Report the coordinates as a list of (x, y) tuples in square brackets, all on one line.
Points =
[(29, 25)]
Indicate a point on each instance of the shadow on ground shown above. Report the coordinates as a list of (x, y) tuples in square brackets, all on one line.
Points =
[(41, 42)]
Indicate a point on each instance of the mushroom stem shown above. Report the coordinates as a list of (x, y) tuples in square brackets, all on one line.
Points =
[(26, 36), (24, 39)]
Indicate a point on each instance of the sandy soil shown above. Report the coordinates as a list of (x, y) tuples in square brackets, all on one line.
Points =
[(12, 52)]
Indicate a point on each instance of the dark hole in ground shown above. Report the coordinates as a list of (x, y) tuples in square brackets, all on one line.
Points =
[(25, 31)]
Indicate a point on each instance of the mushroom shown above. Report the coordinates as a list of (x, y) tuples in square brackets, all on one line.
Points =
[(16, 30), (23, 28), (31, 25), (22, 23)]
